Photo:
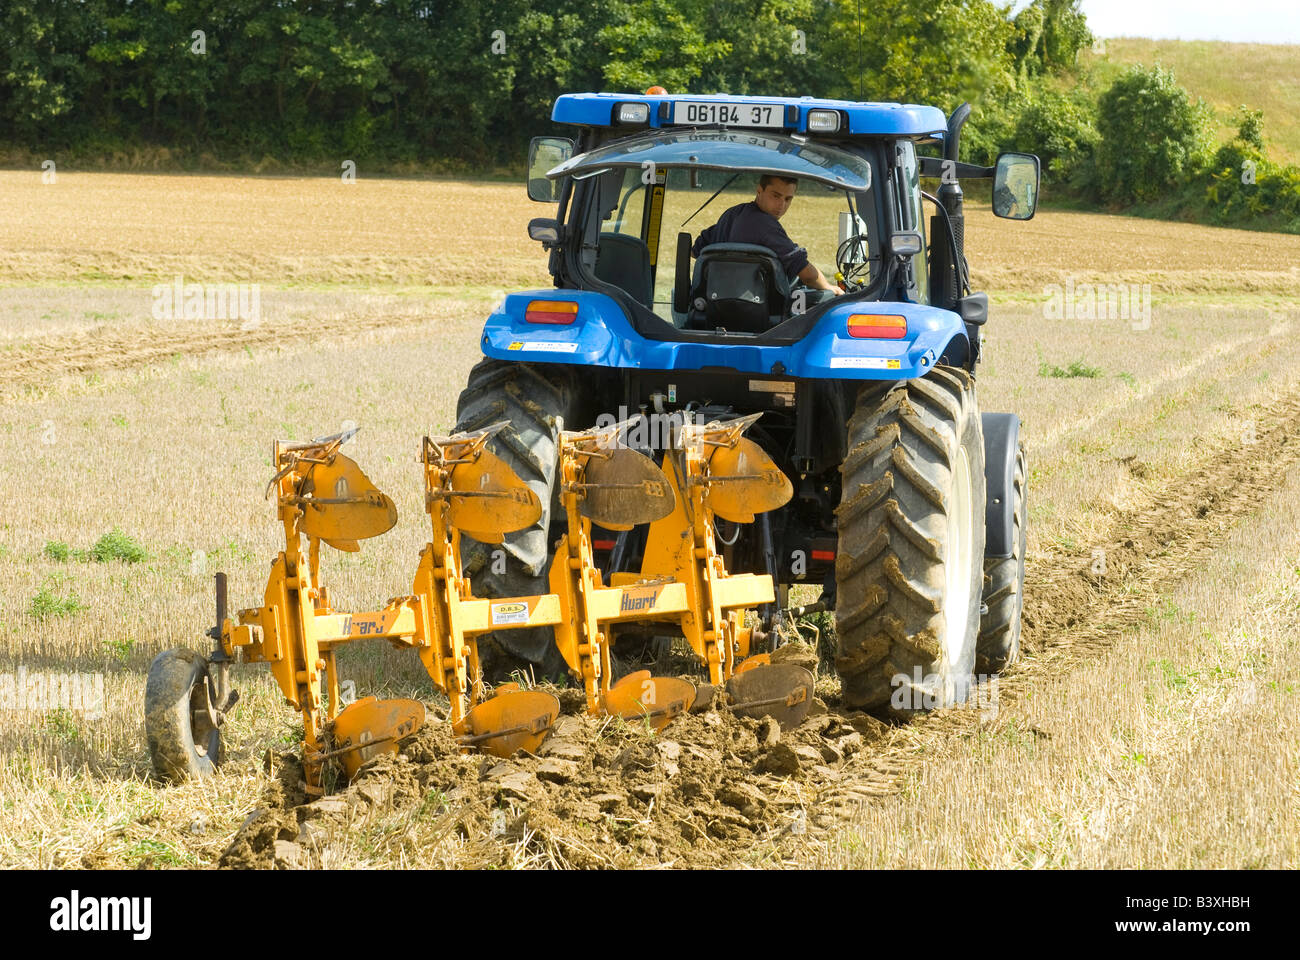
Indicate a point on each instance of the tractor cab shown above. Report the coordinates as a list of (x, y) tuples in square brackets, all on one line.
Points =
[(644, 176)]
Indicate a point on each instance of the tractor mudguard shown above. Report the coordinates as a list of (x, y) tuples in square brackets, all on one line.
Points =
[(600, 334), (1001, 441)]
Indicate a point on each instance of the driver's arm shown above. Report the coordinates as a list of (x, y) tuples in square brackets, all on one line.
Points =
[(813, 277)]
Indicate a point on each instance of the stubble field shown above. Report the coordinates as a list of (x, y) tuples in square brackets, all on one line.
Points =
[(1153, 721)]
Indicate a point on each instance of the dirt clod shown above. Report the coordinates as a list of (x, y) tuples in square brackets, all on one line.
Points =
[(554, 770), (780, 761), (290, 856)]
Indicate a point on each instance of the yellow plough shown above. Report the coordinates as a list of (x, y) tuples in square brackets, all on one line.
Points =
[(323, 496)]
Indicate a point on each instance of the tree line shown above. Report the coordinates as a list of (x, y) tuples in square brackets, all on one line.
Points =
[(460, 85), (469, 81)]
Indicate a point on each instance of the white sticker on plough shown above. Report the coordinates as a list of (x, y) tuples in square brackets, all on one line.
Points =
[(514, 612)]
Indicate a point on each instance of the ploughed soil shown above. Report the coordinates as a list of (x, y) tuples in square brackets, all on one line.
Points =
[(599, 792)]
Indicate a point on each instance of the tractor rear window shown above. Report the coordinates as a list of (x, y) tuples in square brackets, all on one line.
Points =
[(636, 219)]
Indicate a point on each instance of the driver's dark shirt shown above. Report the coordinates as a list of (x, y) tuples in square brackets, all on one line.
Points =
[(747, 223)]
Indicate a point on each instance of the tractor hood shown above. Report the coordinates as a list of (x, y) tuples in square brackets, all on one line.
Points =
[(725, 150)]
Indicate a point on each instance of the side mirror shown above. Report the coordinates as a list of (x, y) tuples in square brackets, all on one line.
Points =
[(1015, 186), (546, 230), (546, 153), (906, 243), (974, 308)]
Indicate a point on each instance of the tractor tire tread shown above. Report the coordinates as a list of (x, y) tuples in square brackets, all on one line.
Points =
[(903, 440), (998, 646)]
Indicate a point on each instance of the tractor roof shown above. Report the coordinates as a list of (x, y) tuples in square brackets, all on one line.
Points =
[(790, 114)]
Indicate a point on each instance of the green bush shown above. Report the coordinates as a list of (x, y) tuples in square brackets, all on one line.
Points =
[(1244, 185), (114, 545), (47, 604), (1058, 128), (1250, 129), (117, 545), (1152, 138)]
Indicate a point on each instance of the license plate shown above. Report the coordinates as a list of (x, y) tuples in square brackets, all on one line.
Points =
[(734, 114)]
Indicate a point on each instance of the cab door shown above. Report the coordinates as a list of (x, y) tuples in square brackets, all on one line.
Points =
[(906, 180)]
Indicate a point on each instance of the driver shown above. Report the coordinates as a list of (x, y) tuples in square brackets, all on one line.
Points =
[(758, 222)]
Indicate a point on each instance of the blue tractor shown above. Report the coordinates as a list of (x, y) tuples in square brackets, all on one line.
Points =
[(909, 503)]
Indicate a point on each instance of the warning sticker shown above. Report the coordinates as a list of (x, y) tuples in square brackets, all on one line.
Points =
[(511, 612), (866, 363), (549, 346)]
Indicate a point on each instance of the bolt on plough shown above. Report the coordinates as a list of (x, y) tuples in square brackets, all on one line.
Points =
[(709, 471)]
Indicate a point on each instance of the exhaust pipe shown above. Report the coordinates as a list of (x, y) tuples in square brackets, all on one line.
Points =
[(950, 196)]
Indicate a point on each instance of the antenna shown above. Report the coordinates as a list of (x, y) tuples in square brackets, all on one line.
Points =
[(859, 50)]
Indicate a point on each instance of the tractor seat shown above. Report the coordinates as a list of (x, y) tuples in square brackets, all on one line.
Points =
[(624, 261), (740, 287)]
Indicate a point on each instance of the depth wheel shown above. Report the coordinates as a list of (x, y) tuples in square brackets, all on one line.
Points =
[(184, 742)]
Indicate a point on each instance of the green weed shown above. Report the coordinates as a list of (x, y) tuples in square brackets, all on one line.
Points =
[(1077, 368), (47, 604)]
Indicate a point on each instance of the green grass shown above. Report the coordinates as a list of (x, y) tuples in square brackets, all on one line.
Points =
[(1076, 368), (62, 725), (48, 604), (151, 852), (121, 649), (1173, 677)]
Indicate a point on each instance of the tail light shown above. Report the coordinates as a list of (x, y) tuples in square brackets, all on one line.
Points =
[(551, 311), (872, 327)]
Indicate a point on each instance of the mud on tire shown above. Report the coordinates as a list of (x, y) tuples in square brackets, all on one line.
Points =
[(911, 543), (184, 743), (534, 398), (998, 646)]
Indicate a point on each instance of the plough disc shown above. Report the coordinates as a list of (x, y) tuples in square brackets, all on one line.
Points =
[(488, 499), (343, 504), (624, 488), (657, 700), (744, 481), (757, 660), (509, 722), (783, 691), (369, 727)]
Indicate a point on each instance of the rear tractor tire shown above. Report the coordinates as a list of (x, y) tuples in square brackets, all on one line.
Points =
[(536, 399), (1004, 588), (184, 742), (911, 544)]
